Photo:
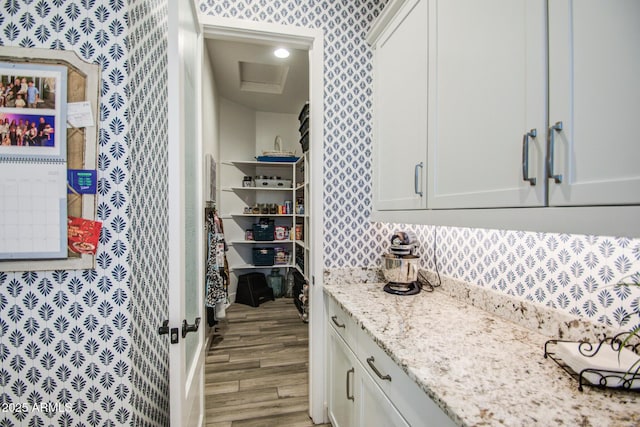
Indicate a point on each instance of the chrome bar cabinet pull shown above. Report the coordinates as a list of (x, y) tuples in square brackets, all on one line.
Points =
[(525, 156), (550, 150), (416, 182)]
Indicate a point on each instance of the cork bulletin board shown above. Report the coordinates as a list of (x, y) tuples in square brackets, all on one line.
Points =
[(82, 84)]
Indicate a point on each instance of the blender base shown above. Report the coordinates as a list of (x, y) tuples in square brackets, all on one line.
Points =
[(402, 288)]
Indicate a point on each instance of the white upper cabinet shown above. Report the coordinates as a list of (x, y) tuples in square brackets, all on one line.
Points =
[(516, 114), (487, 89), (400, 106), (594, 67)]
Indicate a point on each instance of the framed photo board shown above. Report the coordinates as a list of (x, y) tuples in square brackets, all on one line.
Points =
[(61, 80)]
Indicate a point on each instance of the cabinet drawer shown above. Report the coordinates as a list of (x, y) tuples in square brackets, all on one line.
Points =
[(341, 322), (376, 410), (412, 402)]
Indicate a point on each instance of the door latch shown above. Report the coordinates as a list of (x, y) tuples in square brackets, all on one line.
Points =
[(164, 329)]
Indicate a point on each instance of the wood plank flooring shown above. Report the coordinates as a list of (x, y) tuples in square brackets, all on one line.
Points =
[(257, 368)]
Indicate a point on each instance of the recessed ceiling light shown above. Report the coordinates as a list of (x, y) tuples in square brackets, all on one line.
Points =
[(281, 52)]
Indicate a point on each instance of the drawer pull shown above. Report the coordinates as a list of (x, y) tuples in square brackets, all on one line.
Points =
[(370, 361), (335, 321), (350, 371)]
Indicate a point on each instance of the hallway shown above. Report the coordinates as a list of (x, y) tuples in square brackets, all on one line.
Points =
[(257, 368)]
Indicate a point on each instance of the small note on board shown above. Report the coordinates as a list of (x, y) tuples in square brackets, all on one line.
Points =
[(81, 181), (79, 114)]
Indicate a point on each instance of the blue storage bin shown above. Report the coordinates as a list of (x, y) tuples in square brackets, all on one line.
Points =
[(263, 256), (264, 231)]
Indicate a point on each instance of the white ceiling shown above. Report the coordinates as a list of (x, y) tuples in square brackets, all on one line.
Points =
[(270, 84)]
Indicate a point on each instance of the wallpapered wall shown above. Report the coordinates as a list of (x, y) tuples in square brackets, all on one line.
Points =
[(83, 341), (148, 237), (573, 273), (87, 338)]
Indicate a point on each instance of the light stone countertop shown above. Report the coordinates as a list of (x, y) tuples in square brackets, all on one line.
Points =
[(479, 368)]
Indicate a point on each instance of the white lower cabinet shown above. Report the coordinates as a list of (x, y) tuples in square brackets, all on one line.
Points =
[(342, 404), (366, 388), (411, 401), (375, 408), (354, 398)]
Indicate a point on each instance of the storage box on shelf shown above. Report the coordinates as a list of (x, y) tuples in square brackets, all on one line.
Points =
[(263, 256), (303, 117), (264, 230), (272, 182)]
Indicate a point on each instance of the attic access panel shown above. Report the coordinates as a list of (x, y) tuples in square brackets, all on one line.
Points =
[(262, 78)]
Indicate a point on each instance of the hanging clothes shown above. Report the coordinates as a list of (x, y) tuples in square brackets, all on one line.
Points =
[(216, 294)]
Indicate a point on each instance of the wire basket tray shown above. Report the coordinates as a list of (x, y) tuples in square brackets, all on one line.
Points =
[(595, 377)]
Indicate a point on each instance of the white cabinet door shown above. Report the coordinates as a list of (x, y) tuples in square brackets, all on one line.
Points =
[(594, 64), (342, 365), (487, 85), (354, 398), (375, 408), (400, 110)]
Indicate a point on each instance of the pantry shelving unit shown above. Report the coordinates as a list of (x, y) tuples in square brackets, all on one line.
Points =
[(302, 188), (237, 197)]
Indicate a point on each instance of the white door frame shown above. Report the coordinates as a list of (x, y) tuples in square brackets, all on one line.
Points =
[(310, 39), (186, 387)]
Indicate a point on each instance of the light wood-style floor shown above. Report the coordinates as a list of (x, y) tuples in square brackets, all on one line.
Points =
[(257, 368)]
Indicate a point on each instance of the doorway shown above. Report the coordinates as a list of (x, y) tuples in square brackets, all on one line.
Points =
[(233, 34)]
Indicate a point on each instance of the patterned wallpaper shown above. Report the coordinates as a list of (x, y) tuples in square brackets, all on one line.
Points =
[(75, 346), (149, 221), (572, 273)]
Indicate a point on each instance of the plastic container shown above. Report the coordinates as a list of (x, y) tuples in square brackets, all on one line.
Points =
[(262, 256), (273, 183), (304, 142), (304, 112), (264, 230), (289, 284), (276, 282), (304, 127), (300, 260)]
